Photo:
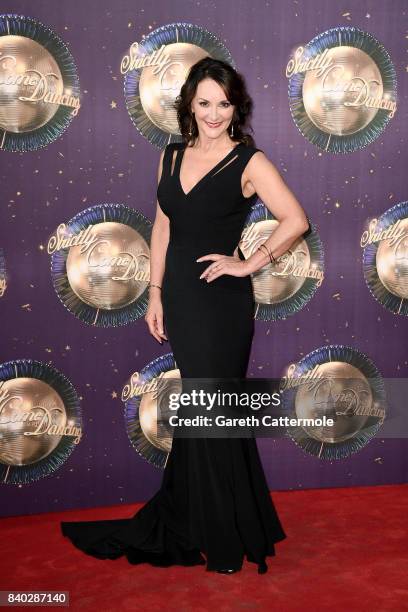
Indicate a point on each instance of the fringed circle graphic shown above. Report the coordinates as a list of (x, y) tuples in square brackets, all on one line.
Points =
[(147, 408), (3, 275), (100, 264), (342, 89), (339, 383), (39, 86), (155, 70), (385, 258), (283, 288), (40, 420)]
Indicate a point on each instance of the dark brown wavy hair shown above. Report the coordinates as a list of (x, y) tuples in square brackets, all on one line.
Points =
[(235, 90)]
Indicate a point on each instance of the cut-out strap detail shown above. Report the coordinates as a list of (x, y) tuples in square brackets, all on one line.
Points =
[(225, 165), (177, 161), (207, 175), (168, 158)]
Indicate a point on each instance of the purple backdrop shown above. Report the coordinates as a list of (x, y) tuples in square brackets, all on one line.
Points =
[(102, 158)]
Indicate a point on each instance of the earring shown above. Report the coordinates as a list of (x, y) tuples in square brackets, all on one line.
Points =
[(190, 132), (232, 129)]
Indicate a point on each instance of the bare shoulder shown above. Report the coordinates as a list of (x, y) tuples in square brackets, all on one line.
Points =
[(258, 157), (258, 164)]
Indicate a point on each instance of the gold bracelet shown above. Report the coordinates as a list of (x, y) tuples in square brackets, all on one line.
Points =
[(151, 285)]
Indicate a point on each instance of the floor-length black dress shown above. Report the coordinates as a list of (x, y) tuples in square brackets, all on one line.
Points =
[(214, 498)]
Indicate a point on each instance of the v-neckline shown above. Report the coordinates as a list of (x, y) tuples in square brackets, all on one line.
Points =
[(206, 175)]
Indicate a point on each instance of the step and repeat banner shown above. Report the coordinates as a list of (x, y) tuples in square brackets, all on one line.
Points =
[(86, 106)]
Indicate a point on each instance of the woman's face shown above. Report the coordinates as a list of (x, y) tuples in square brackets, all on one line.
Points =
[(213, 112)]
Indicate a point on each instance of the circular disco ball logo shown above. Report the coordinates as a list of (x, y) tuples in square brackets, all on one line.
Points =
[(155, 70), (342, 89), (40, 420), (338, 395), (100, 264), (385, 258), (147, 408), (39, 85)]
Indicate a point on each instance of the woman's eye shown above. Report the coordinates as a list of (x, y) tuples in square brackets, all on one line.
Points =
[(224, 104)]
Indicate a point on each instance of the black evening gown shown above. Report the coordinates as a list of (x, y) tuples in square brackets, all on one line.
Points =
[(214, 498)]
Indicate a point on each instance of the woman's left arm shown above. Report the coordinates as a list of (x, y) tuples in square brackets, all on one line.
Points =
[(279, 199)]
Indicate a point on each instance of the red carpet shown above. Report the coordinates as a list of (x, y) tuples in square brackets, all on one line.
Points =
[(347, 549)]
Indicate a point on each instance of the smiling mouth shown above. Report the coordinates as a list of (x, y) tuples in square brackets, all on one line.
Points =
[(213, 125)]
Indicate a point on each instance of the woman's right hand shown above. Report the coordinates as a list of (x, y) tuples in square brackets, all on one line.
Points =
[(154, 318)]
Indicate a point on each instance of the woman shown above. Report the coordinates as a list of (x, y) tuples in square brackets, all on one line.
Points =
[(214, 498)]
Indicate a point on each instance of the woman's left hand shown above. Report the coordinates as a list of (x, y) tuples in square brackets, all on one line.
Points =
[(223, 264)]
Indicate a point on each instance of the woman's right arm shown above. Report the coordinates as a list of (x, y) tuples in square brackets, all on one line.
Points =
[(158, 248)]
